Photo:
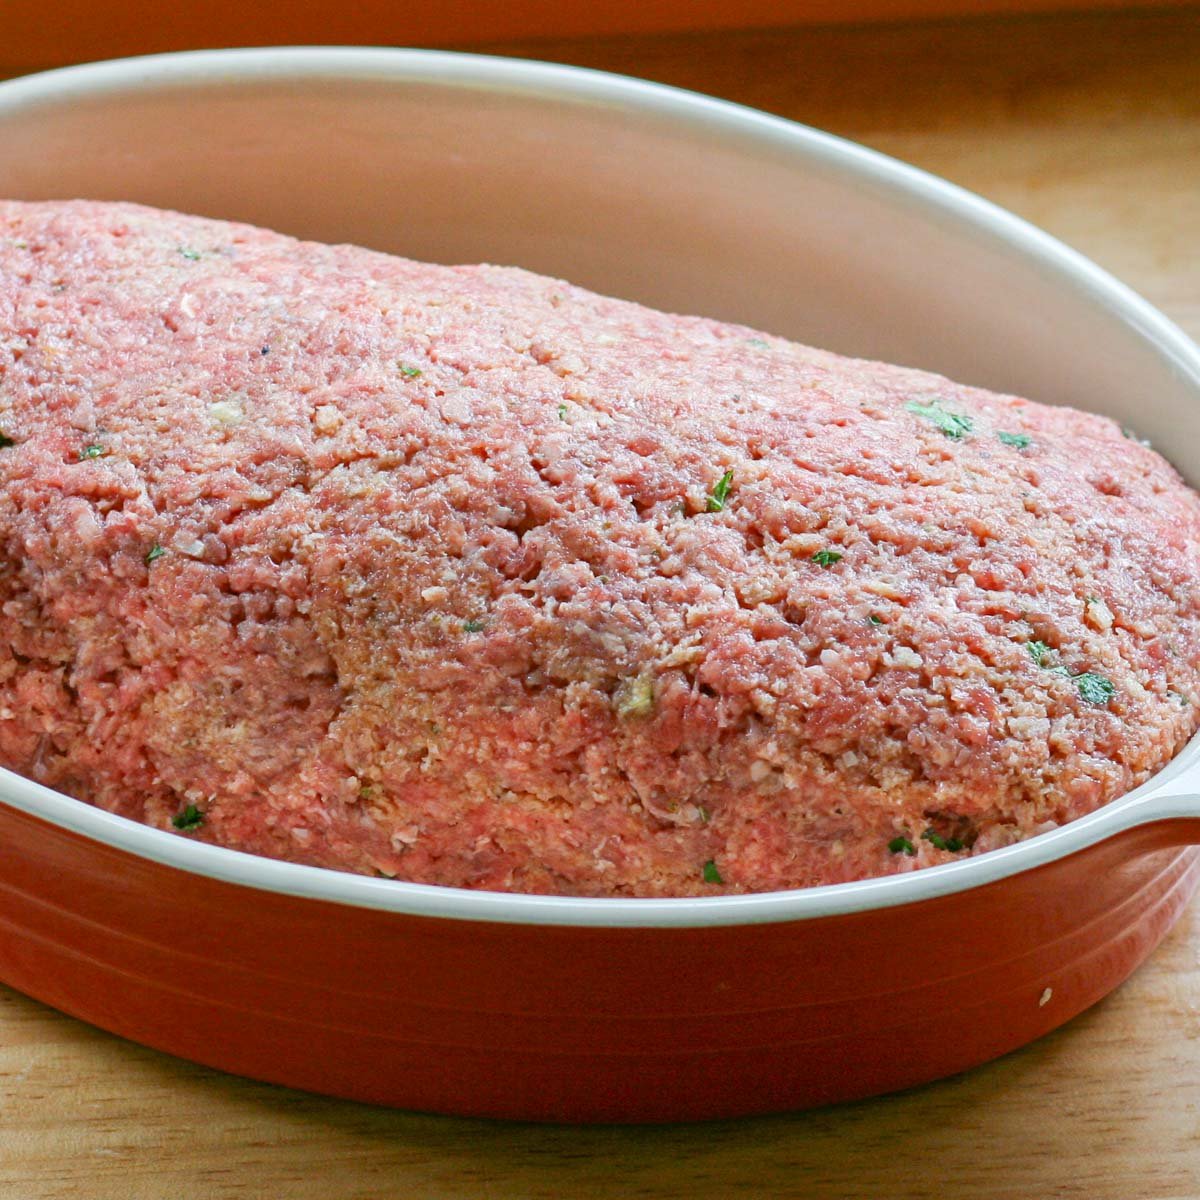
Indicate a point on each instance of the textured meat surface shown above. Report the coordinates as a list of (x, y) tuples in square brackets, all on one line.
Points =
[(471, 577)]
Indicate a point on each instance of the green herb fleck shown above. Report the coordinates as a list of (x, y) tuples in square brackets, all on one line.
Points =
[(95, 450), (703, 813), (1039, 652), (22, 245), (191, 818), (874, 619), (1017, 440), (1179, 698), (6, 441), (190, 254), (953, 425), (154, 553), (562, 412), (1095, 689), (940, 843), (711, 874), (758, 343), (634, 697), (898, 844), (410, 372), (472, 626), (720, 493), (826, 558)]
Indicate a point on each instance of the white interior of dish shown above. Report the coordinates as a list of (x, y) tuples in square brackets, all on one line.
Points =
[(641, 191)]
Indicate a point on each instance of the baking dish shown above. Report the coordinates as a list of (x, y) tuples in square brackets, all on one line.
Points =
[(574, 1009)]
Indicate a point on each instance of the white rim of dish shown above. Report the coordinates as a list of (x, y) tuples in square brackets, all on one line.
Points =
[(1164, 797)]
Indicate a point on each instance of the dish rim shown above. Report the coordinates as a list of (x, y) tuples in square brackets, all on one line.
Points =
[(693, 114)]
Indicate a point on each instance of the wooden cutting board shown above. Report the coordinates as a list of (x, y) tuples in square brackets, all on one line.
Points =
[(1089, 126)]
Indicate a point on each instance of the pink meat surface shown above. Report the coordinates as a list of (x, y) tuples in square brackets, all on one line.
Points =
[(466, 576)]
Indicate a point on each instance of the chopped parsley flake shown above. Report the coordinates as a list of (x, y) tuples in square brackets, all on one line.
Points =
[(190, 818), (188, 253), (898, 844), (953, 425), (562, 412), (1017, 440), (940, 843), (472, 626), (703, 813), (1039, 652), (1179, 698), (874, 619), (826, 558), (758, 343), (6, 441), (711, 874), (154, 553), (1095, 689), (720, 493), (95, 450), (410, 372)]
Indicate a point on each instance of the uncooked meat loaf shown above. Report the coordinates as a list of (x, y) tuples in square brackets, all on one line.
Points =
[(466, 576)]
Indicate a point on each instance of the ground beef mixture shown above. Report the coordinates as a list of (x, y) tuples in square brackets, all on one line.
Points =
[(467, 576)]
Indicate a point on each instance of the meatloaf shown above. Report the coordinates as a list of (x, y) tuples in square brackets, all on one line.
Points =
[(466, 576)]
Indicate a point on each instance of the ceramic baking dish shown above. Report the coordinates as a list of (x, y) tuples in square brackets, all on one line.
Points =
[(577, 1009)]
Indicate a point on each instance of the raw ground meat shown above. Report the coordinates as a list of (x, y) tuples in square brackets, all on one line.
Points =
[(466, 576)]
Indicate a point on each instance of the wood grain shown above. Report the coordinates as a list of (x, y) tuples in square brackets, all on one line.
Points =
[(1089, 126), (84, 29)]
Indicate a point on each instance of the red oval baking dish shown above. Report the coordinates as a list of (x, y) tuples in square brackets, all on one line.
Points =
[(573, 1009)]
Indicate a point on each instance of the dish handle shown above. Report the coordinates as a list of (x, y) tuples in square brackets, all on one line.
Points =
[(1170, 813)]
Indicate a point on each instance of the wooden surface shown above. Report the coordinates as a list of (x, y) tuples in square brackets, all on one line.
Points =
[(85, 29), (1089, 126)]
